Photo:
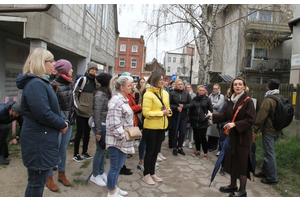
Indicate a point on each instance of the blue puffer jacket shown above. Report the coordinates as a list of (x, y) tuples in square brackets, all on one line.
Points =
[(42, 122)]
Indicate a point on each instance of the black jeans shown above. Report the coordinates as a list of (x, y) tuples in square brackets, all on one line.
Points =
[(84, 129), (212, 142), (176, 140), (200, 138), (4, 129), (154, 139)]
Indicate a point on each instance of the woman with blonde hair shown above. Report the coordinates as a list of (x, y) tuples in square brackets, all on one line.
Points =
[(43, 120)]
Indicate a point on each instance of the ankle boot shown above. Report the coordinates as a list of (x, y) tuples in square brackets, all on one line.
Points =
[(51, 185), (63, 179)]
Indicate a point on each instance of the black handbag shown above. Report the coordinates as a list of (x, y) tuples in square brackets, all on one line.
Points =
[(169, 118), (102, 143)]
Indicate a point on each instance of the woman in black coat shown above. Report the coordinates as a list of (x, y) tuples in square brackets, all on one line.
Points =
[(200, 106)]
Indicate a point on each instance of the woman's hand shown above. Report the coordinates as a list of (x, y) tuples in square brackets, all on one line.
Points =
[(98, 137), (179, 109), (209, 114), (166, 112), (63, 131), (229, 125)]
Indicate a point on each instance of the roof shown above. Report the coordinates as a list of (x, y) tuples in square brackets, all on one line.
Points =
[(221, 78), (293, 23)]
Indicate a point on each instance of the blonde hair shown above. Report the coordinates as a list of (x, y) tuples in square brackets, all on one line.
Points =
[(35, 62), (116, 83), (178, 80), (199, 86)]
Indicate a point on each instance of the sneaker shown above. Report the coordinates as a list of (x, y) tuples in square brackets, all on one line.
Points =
[(98, 180), (218, 153), (156, 178), (196, 153), (190, 145), (137, 143), (86, 156), (104, 177), (148, 179), (77, 158), (212, 150), (158, 159), (205, 156), (125, 171), (183, 145), (140, 167), (161, 156), (166, 133), (116, 194), (174, 152), (180, 151), (156, 164), (122, 192)]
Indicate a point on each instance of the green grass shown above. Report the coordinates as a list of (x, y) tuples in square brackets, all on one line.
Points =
[(85, 164), (287, 150), (77, 182), (78, 173)]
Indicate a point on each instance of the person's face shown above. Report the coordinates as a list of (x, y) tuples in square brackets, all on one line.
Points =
[(188, 88), (179, 85), (132, 84), (238, 86), (142, 82), (69, 74), (93, 71), (49, 67), (160, 84), (216, 89), (127, 88), (166, 83), (54, 72), (172, 85), (228, 93), (201, 91)]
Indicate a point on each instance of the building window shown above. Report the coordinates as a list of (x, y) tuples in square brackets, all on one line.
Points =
[(264, 16), (169, 69), (105, 9), (169, 59), (122, 62), (174, 59), (133, 63), (181, 60), (123, 47), (134, 48), (91, 8), (260, 53)]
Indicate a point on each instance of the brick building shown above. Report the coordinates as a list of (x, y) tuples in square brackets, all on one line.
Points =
[(131, 56)]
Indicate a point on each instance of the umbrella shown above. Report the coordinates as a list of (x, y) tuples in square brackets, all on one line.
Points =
[(177, 126), (225, 145)]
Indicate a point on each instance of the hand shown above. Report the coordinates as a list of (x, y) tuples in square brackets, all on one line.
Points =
[(63, 131), (166, 112), (181, 105), (209, 114), (98, 137), (229, 125), (179, 109), (13, 142)]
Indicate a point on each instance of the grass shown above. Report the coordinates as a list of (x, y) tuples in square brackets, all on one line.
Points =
[(85, 164), (287, 150)]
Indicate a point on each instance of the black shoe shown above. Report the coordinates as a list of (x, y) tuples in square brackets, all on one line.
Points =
[(125, 172), (260, 175), (180, 151), (265, 181), (228, 189), (3, 161), (174, 152), (86, 156), (125, 168), (77, 158), (222, 171), (238, 194), (54, 168)]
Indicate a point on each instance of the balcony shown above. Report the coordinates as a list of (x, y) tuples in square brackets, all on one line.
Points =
[(272, 65), (257, 30)]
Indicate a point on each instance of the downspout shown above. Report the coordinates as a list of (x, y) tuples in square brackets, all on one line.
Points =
[(33, 9), (237, 44)]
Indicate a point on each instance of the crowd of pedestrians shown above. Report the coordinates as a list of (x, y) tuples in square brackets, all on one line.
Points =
[(108, 105)]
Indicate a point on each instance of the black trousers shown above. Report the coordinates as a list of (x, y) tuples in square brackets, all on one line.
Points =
[(154, 139), (200, 138), (212, 142), (4, 130), (84, 129)]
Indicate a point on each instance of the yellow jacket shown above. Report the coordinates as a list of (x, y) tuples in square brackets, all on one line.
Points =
[(152, 112)]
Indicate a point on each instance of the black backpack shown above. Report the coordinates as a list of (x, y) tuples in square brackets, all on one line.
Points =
[(284, 113)]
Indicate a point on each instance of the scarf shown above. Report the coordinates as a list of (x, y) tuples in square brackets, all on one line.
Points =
[(235, 98), (269, 92), (66, 77)]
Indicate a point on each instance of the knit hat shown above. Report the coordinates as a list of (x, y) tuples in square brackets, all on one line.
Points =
[(63, 66), (273, 84), (16, 108), (206, 87), (103, 79), (126, 74), (92, 65)]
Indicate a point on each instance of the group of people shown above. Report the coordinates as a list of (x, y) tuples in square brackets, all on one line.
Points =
[(108, 105)]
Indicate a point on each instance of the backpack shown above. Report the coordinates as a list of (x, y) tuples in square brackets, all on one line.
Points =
[(284, 113), (80, 89)]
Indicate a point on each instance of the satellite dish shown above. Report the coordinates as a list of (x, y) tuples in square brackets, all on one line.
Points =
[(289, 14)]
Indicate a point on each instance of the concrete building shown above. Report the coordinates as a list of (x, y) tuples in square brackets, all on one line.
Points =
[(253, 41), (78, 33), (131, 56)]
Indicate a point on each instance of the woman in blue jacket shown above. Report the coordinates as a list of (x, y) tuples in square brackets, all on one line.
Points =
[(42, 120)]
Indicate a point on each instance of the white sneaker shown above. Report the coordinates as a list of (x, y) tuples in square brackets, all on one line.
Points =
[(122, 192), (158, 159), (190, 145), (218, 153), (161, 156), (183, 145), (166, 133), (104, 177), (137, 143), (97, 180), (156, 164), (116, 194), (141, 166)]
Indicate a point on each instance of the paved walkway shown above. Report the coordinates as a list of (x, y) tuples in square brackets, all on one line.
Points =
[(184, 176)]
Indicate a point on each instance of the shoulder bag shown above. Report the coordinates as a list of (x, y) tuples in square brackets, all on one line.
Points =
[(132, 133)]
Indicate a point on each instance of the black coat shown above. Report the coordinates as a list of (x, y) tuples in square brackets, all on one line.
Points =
[(200, 107), (180, 97)]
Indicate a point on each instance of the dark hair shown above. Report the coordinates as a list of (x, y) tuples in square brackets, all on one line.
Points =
[(171, 82), (231, 85), (154, 78), (104, 89), (138, 85)]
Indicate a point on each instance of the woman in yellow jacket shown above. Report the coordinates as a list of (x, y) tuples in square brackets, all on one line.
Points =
[(155, 123)]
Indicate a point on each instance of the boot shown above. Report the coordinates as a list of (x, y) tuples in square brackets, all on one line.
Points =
[(51, 185), (3, 161), (63, 179)]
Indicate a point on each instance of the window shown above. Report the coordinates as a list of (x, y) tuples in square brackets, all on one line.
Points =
[(133, 63), (134, 48), (174, 59), (169, 59), (122, 62), (263, 16), (123, 47), (91, 8), (105, 15), (181, 60), (260, 53), (169, 69)]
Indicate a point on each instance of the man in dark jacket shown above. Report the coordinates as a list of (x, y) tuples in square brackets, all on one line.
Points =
[(9, 112), (269, 133)]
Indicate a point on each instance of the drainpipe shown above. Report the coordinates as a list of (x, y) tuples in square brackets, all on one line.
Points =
[(237, 44), (33, 9)]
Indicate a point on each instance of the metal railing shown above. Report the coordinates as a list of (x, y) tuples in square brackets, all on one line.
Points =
[(267, 64)]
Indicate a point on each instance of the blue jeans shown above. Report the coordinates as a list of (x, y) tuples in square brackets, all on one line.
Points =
[(117, 160), (63, 141), (36, 182), (189, 133), (100, 154), (142, 148)]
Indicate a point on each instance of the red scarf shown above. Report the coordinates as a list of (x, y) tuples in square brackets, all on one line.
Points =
[(67, 78)]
